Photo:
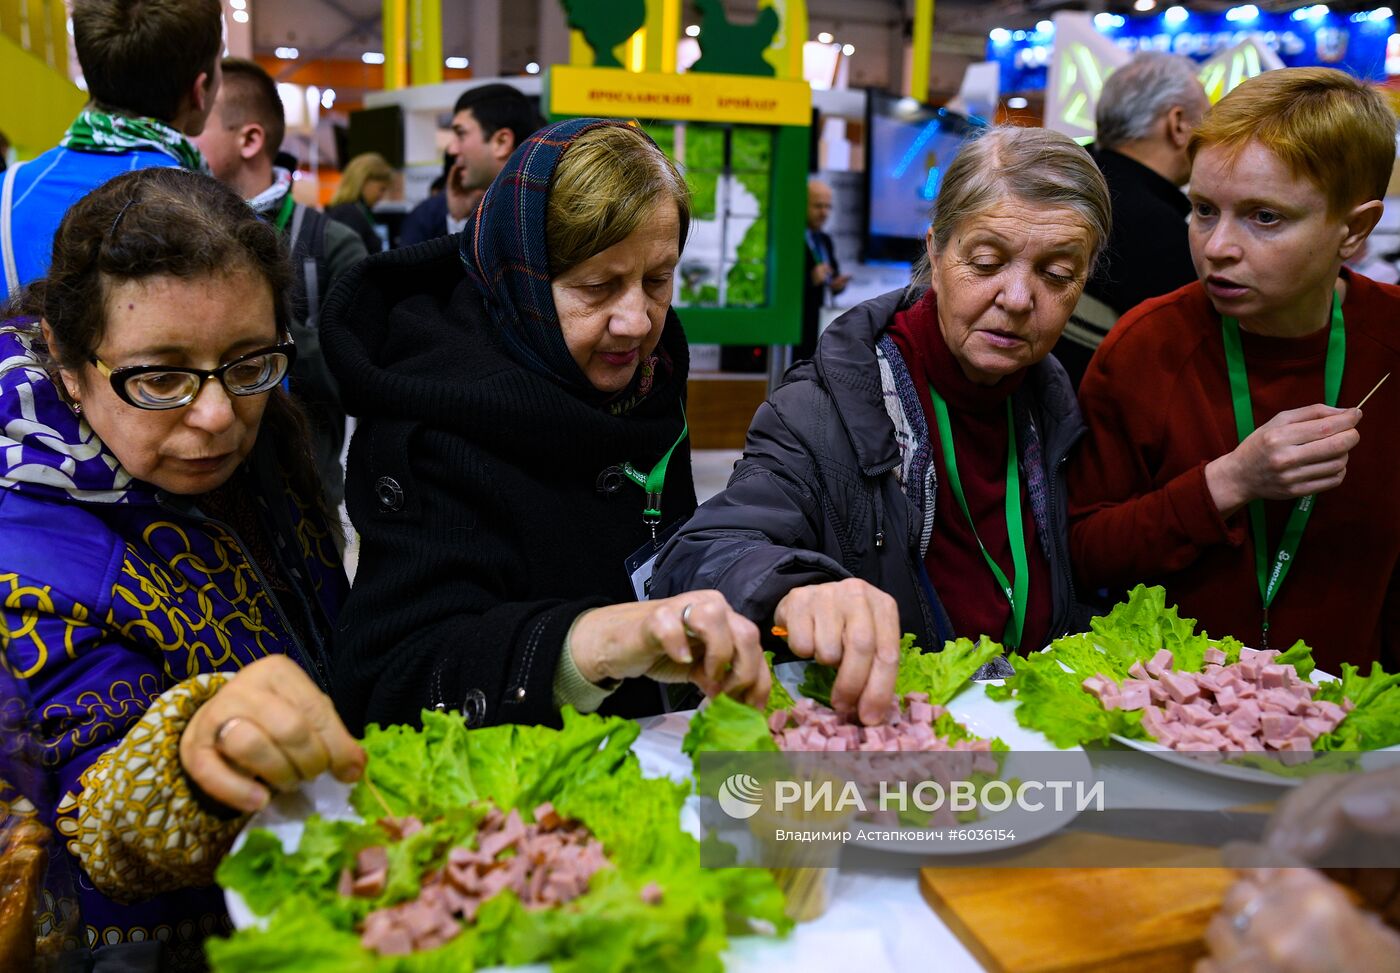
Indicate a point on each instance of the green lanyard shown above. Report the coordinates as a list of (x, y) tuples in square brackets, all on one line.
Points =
[(654, 481), (285, 213), (1017, 591), (1270, 580)]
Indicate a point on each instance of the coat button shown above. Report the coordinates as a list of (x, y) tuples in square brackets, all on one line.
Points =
[(474, 708), (390, 494)]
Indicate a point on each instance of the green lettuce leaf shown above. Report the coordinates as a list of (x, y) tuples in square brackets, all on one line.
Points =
[(727, 726), (1375, 721), (778, 696), (1051, 701), (940, 674), (587, 771)]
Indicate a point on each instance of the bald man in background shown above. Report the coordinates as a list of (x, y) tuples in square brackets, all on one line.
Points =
[(824, 277)]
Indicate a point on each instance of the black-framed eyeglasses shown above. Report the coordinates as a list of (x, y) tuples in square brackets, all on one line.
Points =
[(159, 387)]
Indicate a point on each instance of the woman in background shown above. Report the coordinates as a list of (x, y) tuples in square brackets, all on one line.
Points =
[(362, 185)]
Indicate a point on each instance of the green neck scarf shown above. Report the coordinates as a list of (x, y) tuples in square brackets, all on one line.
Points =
[(95, 130)]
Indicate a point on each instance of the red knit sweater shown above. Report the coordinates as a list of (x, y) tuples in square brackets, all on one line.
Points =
[(977, 413), (1157, 401)]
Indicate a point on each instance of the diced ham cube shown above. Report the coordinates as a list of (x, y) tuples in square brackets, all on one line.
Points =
[(1279, 725), (369, 885), (1330, 710), (1274, 677), (1135, 695), (1196, 714), (1138, 671), (1246, 715), (920, 713), (1110, 701), (373, 858), (393, 941), (1181, 686), (777, 721), (651, 893), (1316, 726), (1214, 656), (1225, 698), (1099, 686)]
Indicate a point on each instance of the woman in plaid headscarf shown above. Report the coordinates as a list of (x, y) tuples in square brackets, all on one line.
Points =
[(522, 453)]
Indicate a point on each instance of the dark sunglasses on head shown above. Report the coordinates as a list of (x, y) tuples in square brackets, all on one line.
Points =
[(159, 387)]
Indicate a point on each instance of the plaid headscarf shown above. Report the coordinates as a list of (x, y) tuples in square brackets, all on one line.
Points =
[(507, 258)]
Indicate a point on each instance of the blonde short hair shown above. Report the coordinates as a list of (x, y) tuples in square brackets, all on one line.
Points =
[(365, 167), (605, 185), (1324, 125), (1034, 165)]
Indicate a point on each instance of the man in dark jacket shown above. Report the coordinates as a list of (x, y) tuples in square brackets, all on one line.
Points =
[(240, 141), (1145, 117), (488, 122)]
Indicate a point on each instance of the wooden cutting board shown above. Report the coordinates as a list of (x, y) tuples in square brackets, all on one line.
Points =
[(1058, 920)]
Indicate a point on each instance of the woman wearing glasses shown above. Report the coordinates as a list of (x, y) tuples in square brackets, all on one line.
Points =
[(167, 581)]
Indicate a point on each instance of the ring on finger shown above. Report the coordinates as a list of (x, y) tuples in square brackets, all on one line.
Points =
[(1241, 920), (690, 633), (224, 729)]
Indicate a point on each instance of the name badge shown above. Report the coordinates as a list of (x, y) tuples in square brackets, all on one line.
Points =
[(640, 564)]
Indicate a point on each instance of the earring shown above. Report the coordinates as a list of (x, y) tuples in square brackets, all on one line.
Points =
[(77, 408)]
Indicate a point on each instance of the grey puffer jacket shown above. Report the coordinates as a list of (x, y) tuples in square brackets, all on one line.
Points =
[(837, 480)]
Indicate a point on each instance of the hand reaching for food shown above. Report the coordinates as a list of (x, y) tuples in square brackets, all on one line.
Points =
[(694, 637), (268, 727), (853, 627)]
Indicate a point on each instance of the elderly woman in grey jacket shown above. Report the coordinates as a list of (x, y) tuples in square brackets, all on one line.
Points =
[(910, 477)]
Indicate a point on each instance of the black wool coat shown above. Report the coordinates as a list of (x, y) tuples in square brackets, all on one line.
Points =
[(485, 528)]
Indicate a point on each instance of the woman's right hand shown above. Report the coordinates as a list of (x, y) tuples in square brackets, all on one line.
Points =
[(268, 726), (693, 637), (1294, 454), (853, 627)]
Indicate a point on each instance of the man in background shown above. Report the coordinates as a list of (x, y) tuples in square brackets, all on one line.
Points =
[(152, 70), (824, 277), (241, 141), (1145, 117), (488, 122)]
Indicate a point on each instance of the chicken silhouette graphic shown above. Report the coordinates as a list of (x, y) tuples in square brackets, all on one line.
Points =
[(727, 48), (605, 24)]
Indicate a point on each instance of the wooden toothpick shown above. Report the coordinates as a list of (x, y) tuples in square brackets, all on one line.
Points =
[(388, 811), (1373, 390)]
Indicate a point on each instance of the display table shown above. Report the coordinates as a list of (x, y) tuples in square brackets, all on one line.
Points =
[(880, 918)]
